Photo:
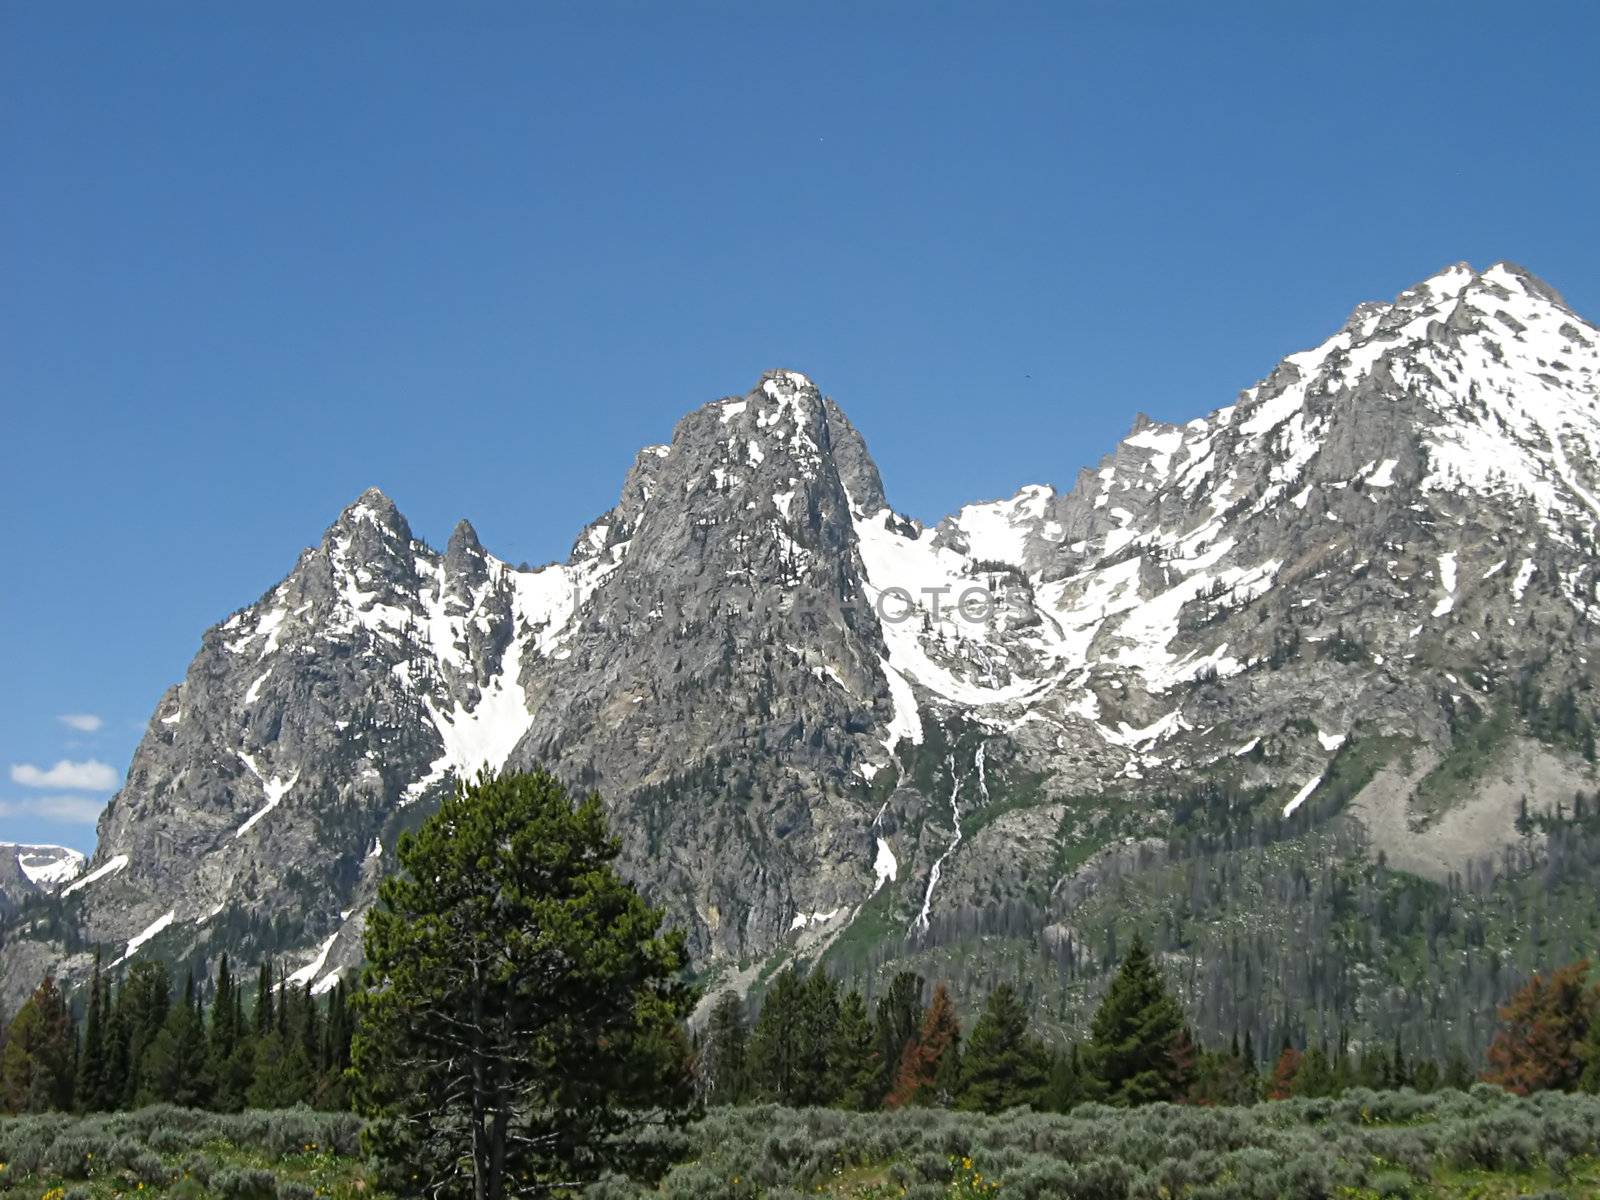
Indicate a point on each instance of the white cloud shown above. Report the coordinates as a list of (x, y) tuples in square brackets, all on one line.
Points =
[(75, 810), (82, 722), (93, 775)]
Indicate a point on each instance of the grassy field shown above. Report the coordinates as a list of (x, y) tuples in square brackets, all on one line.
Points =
[(1482, 1145)]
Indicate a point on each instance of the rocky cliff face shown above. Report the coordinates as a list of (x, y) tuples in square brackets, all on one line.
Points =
[(814, 719)]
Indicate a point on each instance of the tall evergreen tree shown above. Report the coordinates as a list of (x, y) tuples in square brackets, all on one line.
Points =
[(143, 1002), (1136, 1035), (230, 1056), (89, 1090), (36, 1068), (1070, 1084), (853, 1067), (819, 1014), (724, 1058), (174, 1064), (1001, 1066), (778, 1044), (263, 1013), (520, 1010)]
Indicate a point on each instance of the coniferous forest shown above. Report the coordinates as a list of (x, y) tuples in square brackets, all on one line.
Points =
[(522, 1030)]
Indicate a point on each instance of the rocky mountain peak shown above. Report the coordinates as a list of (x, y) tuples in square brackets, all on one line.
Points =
[(769, 676)]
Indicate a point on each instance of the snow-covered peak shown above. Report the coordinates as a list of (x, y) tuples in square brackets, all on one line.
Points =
[(373, 507)]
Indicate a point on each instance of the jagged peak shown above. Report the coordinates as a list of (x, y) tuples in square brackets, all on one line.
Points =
[(371, 515), (464, 539)]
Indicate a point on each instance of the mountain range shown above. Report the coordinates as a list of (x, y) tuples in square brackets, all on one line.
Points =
[(1336, 634)]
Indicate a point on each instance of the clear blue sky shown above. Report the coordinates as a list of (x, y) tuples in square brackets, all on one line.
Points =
[(255, 261)]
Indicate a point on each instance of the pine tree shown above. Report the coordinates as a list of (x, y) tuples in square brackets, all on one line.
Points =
[(1543, 1029), (337, 1029), (230, 1055), (1069, 1084), (1425, 1076), (777, 1044), (853, 1067), (520, 1010), (143, 1003), (263, 1014), (174, 1064), (92, 1057), (1399, 1072), (1315, 1075), (898, 1018), (724, 1059), (1284, 1073), (36, 1069), (1224, 1078), (1002, 1067), (930, 1066), (819, 1014), (1136, 1032)]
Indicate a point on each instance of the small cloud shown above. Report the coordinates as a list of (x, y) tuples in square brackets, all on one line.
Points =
[(82, 722), (93, 775), (74, 810)]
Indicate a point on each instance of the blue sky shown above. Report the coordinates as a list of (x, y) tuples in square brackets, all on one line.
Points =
[(259, 259)]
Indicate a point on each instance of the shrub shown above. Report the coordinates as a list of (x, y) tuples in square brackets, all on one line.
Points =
[(245, 1183)]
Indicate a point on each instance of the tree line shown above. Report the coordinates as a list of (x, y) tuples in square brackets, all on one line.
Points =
[(143, 1041), (813, 1042), (520, 1026)]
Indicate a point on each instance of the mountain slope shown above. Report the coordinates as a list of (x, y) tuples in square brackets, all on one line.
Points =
[(824, 729)]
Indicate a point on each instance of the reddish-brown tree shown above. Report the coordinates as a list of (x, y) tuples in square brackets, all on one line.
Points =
[(1283, 1074), (930, 1062), (1542, 1029)]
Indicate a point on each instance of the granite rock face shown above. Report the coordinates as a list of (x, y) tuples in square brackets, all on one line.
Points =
[(795, 701)]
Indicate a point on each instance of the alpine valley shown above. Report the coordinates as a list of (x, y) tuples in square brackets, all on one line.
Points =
[(1302, 689)]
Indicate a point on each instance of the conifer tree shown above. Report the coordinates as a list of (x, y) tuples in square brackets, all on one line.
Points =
[(1425, 1075), (1315, 1075), (777, 1044), (263, 1014), (898, 1018), (174, 1064), (1284, 1073), (724, 1059), (819, 1014), (229, 1054), (1136, 1035), (1001, 1066), (36, 1068), (143, 1002), (520, 1009), (1070, 1084), (854, 1070), (92, 1057), (930, 1066), (1543, 1029)]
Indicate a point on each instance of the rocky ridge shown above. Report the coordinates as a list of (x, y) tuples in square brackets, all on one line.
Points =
[(815, 719)]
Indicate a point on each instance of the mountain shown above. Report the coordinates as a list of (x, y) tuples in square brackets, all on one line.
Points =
[(28, 871), (1336, 632)]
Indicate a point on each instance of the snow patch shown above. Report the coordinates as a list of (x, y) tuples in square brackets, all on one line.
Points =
[(150, 931), (110, 867), (886, 867)]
